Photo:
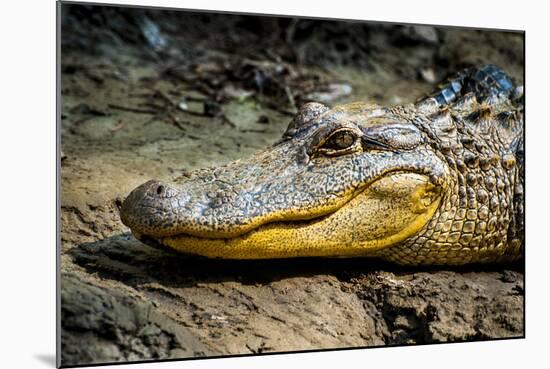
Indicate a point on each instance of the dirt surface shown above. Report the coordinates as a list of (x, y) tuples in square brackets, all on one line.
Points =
[(155, 95)]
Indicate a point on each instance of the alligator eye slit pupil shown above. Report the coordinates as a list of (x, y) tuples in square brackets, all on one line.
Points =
[(340, 141), (160, 189)]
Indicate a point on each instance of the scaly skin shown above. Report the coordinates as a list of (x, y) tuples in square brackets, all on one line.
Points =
[(437, 182)]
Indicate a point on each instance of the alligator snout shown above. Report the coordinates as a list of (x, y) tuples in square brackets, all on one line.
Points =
[(152, 208)]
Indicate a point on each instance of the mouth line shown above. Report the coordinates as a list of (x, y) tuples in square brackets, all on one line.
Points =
[(157, 242)]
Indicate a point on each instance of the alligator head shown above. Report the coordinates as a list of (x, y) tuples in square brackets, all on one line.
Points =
[(346, 181), (438, 182)]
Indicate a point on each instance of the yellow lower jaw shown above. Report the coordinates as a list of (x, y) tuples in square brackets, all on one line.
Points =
[(388, 212)]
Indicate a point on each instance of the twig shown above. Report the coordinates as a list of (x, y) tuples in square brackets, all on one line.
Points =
[(254, 130), (290, 98), (154, 106), (276, 107), (196, 99), (193, 113), (131, 109), (140, 94), (226, 120), (118, 126), (165, 97), (175, 121), (85, 119)]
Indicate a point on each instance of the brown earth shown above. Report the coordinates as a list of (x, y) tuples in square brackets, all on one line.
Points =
[(122, 124)]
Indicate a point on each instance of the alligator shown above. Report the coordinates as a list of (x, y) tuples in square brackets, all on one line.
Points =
[(438, 181)]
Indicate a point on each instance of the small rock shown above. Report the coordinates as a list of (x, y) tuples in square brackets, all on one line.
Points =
[(428, 75), (401, 322), (509, 276), (236, 93), (88, 109), (151, 32), (263, 119), (212, 109), (192, 106), (423, 34), (149, 330), (194, 95), (334, 91), (183, 105)]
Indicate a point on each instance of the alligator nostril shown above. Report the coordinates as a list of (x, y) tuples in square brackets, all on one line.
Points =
[(160, 190)]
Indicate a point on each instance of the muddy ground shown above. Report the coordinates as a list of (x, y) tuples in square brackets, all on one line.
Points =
[(147, 94)]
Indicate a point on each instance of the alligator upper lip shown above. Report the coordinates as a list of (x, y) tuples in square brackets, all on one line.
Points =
[(274, 223)]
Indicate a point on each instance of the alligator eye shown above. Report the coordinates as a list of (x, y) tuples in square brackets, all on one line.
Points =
[(339, 142)]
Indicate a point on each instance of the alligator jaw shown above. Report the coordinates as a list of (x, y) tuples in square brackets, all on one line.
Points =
[(384, 221)]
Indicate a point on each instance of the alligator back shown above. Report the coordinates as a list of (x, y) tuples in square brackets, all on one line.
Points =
[(488, 84)]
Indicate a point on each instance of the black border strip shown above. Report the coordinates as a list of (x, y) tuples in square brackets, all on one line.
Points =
[(284, 16), (290, 352)]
